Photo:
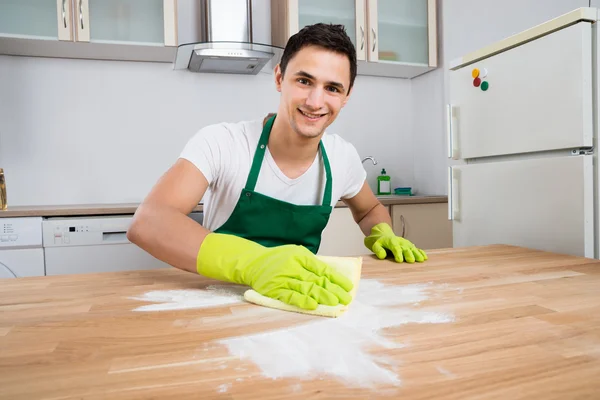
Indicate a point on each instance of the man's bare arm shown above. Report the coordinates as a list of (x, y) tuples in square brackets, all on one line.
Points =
[(367, 210), (161, 225)]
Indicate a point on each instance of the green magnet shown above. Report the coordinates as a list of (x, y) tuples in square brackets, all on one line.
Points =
[(485, 85)]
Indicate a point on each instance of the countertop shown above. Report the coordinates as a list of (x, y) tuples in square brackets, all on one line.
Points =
[(129, 208), (493, 322)]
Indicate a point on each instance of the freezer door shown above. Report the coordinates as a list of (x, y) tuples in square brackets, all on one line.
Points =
[(539, 98), (542, 203)]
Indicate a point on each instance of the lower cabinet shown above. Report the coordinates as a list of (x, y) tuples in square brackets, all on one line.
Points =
[(426, 225)]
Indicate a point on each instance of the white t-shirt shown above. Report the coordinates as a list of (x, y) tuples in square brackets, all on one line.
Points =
[(224, 153)]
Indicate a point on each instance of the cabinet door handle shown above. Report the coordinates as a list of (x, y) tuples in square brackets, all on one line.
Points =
[(80, 14), (374, 38), (403, 225), (362, 37), (64, 13)]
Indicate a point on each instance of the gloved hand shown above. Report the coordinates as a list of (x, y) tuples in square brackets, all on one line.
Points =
[(289, 273), (383, 239)]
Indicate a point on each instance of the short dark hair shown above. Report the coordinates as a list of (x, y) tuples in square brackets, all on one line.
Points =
[(328, 36)]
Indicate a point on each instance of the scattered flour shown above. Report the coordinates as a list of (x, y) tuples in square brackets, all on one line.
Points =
[(445, 372), (224, 387), (339, 347), (297, 387), (212, 296)]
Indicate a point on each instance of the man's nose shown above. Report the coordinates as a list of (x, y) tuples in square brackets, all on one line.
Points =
[(315, 98)]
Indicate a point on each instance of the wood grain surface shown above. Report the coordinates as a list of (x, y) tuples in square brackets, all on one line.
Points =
[(527, 326)]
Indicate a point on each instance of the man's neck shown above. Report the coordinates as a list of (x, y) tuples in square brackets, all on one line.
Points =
[(293, 154)]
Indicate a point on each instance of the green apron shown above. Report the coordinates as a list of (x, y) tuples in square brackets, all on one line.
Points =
[(272, 222)]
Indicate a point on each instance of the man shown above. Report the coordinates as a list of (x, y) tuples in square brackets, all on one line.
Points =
[(270, 187)]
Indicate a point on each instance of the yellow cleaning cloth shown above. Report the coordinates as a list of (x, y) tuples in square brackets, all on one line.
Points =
[(351, 267)]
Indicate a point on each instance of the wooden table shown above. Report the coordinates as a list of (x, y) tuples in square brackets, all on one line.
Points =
[(526, 325)]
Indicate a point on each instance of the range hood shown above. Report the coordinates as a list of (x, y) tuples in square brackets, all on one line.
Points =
[(226, 45)]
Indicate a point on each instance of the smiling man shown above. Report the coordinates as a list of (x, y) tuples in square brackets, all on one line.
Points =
[(271, 185)]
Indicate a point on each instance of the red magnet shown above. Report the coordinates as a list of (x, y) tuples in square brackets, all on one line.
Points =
[(476, 82)]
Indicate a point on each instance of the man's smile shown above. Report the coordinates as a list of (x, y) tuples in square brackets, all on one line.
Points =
[(311, 116)]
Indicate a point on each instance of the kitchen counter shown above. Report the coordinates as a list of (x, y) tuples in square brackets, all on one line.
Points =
[(129, 208), (494, 322)]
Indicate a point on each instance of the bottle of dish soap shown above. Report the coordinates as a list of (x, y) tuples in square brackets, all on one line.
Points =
[(384, 184)]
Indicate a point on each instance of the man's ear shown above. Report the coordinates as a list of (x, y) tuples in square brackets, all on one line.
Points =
[(278, 77)]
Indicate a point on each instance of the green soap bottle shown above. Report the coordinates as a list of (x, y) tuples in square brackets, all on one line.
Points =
[(384, 184)]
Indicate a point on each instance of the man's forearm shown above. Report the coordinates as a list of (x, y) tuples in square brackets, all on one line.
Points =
[(168, 235), (376, 215)]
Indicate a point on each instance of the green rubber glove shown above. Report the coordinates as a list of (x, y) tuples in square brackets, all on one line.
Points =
[(289, 273), (383, 240)]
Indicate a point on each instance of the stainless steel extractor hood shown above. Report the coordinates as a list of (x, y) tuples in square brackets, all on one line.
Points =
[(225, 42)]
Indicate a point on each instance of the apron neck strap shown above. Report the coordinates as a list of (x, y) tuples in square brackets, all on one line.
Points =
[(259, 155)]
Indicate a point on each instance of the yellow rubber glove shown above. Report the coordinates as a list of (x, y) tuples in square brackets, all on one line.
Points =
[(289, 273), (383, 240)]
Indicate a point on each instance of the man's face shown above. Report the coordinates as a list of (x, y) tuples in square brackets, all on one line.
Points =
[(313, 90)]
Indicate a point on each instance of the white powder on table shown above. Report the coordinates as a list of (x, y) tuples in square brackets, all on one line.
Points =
[(339, 347), (224, 387), (212, 296)]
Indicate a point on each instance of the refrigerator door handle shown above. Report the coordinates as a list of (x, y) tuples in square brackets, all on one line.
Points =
[(450, 193), (454, 198), (451, 136)]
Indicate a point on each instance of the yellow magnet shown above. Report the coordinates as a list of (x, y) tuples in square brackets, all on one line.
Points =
[(475, 73)]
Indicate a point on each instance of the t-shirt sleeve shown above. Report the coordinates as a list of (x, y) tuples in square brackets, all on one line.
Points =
[(205, 151), (355, 173)]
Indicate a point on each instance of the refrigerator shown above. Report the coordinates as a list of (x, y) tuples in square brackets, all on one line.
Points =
[(522, 133)]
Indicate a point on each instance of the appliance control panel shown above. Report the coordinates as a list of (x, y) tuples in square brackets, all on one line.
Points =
[(78, 231), (20, 232)]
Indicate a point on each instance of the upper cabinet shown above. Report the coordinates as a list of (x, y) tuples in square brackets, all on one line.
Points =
[(394, 38), (140, 30), (35, 19)]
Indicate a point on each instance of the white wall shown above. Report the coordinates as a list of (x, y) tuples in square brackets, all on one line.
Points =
[(84, 131), (76, 131), (465, 26), (471, 24)]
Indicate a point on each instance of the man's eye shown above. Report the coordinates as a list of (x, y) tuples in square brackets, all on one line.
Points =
[(303, 81), (333, 89)]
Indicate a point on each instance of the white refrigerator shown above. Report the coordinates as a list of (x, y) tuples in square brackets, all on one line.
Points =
[(522, 131)]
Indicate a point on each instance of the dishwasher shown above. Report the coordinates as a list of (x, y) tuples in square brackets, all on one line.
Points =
[(92, 244)]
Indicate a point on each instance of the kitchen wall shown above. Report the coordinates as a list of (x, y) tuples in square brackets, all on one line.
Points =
[(80, 131), (465, 26)]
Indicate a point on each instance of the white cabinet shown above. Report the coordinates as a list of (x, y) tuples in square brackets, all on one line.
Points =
[(35, 18), (394, 38), (140, 30), (289, 16), (149, 22)]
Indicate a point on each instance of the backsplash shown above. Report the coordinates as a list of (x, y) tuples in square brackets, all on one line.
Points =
[(85, 131)]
